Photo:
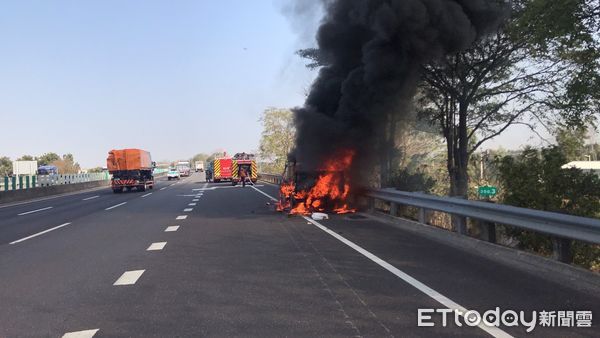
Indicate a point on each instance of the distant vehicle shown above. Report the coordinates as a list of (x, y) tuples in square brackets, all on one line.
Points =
[(199, 166), (24, 168), (173, 174), (47, 170), (184, 168), (131, 168)]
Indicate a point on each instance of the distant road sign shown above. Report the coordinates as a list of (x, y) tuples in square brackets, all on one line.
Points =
[(487, 191)]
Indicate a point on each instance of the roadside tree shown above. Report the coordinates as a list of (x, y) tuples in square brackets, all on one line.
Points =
[(277, 138)]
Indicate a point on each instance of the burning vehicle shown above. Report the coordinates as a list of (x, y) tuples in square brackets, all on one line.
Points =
[(370, 55), (328, 188)]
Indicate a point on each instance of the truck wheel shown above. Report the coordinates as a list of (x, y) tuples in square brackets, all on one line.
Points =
[(142, 187), (117, 190)]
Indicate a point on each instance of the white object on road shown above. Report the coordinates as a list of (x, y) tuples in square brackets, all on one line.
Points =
[(318, 216)]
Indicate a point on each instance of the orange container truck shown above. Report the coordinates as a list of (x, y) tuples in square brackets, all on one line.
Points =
[(130, 168)]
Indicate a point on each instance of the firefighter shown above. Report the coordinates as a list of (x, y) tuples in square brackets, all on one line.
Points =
[(243, 176)]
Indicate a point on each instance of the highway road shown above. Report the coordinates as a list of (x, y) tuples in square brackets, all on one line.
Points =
[(191, 259)]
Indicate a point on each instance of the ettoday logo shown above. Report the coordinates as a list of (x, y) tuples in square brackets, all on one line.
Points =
[(507, 318)]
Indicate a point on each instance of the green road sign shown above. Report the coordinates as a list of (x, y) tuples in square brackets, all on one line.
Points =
[(487, 191)]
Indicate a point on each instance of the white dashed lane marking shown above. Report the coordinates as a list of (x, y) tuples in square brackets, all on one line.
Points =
[(39, 233), (90, 198), (32, 211), (195, 200), (192, 204), (156, 246), (81, 334), (148, 194), (163, 188), (115, 206), (129, 277), (172, 228), (181, 217), (188, 209)]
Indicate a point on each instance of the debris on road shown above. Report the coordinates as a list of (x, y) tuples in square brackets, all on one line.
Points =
[(317, 216)]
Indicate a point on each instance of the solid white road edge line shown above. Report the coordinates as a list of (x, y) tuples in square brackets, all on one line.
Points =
[(90, 198), (129, 277), (148, 194), (172, 228), (32, 211), (262, 192), (81, 334), (156, 246), (39, 233), (447, 302), (181, 217), (115, 206)]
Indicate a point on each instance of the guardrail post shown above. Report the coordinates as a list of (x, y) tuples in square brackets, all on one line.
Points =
[(487, 231), (6, 183), (20, 182), (459, 224), (27, 186), (14, 183), (561, 249), (33, 181), (394, 209), (422, 216)]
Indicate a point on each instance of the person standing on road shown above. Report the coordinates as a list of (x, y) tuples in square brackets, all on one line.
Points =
[(243, 176), (208, 174)]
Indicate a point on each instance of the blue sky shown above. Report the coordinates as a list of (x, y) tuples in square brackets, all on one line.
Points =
[(173, 77)]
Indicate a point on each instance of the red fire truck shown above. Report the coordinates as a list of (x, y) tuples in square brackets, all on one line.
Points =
[(222, 169)]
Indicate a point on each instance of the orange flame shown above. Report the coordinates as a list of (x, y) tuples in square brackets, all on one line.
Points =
[(330, 192)]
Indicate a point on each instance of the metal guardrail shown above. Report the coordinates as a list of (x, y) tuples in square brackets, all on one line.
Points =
[(58, 179), (563, 228), (275, 179), (34, 181)]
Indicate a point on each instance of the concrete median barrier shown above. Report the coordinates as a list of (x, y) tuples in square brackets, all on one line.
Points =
[(33, 193)]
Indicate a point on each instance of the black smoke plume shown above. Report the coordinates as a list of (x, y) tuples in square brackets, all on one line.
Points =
[(371, 52)]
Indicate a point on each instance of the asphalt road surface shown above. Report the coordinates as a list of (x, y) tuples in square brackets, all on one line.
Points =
[(190, 259)]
